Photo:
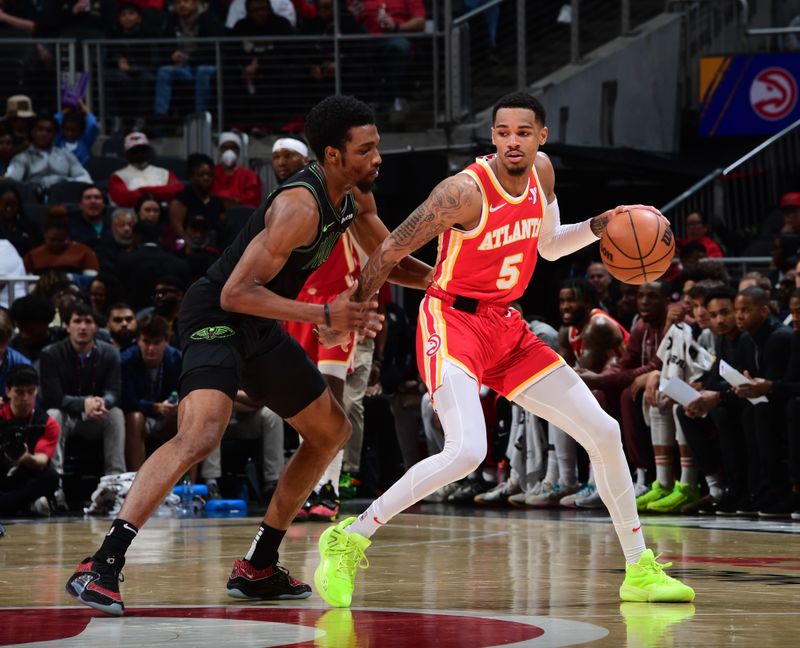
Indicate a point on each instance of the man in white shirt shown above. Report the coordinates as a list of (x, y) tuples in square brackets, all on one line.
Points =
[(11, 265)]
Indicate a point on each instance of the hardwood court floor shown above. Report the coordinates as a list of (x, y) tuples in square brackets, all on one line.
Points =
[(439, 576)]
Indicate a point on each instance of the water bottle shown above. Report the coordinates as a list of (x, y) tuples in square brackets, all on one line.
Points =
[(186, 509), (173, 398)]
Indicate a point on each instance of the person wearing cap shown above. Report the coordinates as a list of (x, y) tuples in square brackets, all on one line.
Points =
[(44, 164), (140, 177), (697, 232), (19, 113), (198, 253), (289, 155), (233, 183)]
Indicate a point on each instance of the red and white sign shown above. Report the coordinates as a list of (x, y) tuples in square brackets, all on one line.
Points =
[(773, 93)]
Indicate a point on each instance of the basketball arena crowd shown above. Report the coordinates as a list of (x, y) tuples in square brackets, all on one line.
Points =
[(90, 360)]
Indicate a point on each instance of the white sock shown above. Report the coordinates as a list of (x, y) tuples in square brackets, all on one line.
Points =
[(551, 475), (332, 473), (662, 431), (641, 477), (714, 486), (566, 455), (688, 471)]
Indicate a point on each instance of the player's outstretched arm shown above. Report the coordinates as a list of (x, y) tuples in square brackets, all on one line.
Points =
[(455, 200), (369, 232), (291, 221)]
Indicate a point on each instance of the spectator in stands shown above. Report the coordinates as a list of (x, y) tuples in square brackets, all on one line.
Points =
[(167, 298), (150, 372), (104, 290), (32, 315), (44, 164), (602, 281), (196, 198), (81, 389), (59, 252), (9, 358), (141, 176), (11, 265), (131, 72), (122, 325), (697, 231), (250, 421), (90, 224), (148, 209), (80, 19), (395, 54), (789, 236), (14, 225), (19, 117), (6, 148), (233, 183), (626, 310), (196, 250), (112, 248), (78, 130), (491, 19), (261, 66), (289, 9), (33, 481), (141, 269), (754, 280), (289, 155), (191, 62)]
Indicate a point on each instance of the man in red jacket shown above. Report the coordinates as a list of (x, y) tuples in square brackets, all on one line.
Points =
[(140, 177)]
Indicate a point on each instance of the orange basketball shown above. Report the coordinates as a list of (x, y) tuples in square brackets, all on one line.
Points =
[(637, 246)]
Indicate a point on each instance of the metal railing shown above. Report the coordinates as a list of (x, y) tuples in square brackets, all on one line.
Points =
[(742, 193), (12, 287)]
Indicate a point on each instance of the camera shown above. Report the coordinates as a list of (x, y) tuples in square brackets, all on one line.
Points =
[(13, 437)]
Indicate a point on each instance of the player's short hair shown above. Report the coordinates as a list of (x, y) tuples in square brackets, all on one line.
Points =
[(22, 375), (583, 290), (521, 100), (723, 292), (759, 296), (329, 122)]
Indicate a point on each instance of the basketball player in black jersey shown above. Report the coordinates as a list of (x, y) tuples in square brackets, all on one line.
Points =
[(231, 338)]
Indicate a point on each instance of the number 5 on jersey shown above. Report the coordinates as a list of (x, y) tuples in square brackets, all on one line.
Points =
[(509, 273)]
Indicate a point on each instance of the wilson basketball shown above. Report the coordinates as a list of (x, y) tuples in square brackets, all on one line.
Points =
[(637, 246)]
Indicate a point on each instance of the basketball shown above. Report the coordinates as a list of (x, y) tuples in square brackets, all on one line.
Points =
[(637, 246)]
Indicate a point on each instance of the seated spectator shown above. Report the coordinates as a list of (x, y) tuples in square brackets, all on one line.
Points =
[(149, 209), (33, 481), (64, 293), (140, 177), (789, 236), (32, 315), (6, 149), (44, 164), (289, 155), (81, 389), (395, 54), (289, 9), (250, 421), (90, 224), (259, 65), (14, 225), (602, 282), (112, 248), (19, 117), (754, 280), (78, 130), (167, 300), (233, 183), (196, 198), (122, 325), (141, 269), (11, 265), (196, 250), (150, 372), (104, 290), (191, 62), (697, 232), (59, 252), (9, 358), (132, 68), (78, 19)]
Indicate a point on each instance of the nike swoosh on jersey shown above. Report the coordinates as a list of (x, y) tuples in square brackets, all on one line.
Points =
[(494, 208)]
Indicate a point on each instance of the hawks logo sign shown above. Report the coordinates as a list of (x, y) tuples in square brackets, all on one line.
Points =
[(432, 345), (213, 333), (773, 93)]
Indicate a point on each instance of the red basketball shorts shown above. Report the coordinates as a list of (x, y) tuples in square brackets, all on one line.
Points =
[(495, 347)]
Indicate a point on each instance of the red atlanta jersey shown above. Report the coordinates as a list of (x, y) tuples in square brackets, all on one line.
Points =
[(495, 260), (329, 278)]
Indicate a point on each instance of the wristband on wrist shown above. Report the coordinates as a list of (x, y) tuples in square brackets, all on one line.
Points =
[(326, 313)]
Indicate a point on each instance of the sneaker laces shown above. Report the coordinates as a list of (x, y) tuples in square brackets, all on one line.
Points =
[(656, 568), (349, 556)]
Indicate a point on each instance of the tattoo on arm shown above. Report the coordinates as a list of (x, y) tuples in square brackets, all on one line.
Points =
[(598, 225)]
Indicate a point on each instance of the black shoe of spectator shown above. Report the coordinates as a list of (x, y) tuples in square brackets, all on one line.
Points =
[(749, 506), (780, 507), (728, 504)]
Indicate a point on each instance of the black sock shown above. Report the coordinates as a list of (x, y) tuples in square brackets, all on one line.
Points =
[(117, 541), (264, 550)]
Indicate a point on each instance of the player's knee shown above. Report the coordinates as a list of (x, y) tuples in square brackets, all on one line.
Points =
[(606, 434), (195, 443), (466, 459), (344, 431)]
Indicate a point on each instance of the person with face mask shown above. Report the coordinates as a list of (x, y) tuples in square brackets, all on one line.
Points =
[(235, 184), (141, 176)]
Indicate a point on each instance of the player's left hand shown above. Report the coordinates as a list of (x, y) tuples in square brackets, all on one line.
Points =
[(329, 337)]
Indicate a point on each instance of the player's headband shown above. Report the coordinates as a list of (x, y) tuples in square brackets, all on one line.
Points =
[(291, 144)]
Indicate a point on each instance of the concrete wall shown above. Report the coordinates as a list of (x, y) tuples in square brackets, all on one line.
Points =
[(646, 69)]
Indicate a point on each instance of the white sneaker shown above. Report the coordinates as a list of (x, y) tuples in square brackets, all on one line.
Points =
[(498, 496), (518, 500), (443, 493), (796, 515), (591, 501), (640, 489), (569, 500), (41, 507), (550, 495)]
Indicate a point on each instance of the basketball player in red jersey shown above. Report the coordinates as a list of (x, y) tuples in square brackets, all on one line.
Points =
[(492, 220), (589, 337)]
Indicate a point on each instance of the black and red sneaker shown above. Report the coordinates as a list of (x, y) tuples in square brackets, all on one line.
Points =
[(271, 583), (96, 583)]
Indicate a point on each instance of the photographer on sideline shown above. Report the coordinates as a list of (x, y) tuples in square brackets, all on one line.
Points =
[(28, 440)]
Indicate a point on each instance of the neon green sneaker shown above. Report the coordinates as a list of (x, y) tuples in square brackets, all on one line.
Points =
[(656, 492), (341, 554), (338, 630), (681, 495), (646, 582), (651, 624)]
